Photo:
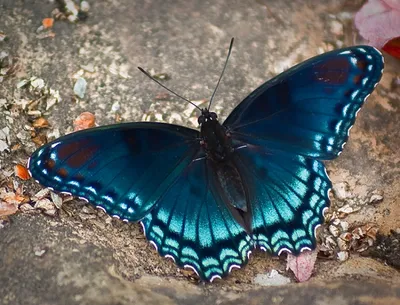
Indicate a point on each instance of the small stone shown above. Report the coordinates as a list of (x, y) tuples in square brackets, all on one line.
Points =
[(57, 200), (344, 241), (271, 279), (342, 191), (3, 146), (85, 216), (3, 55), (26, 207), (334, 230), (346, 209), (88, 68), (336, 221), (44, 204), (37, 83), (3, 36), (375, 198), (343, 256), (336, 28), (22, 83), (344, 226), (115, 107), (51, 212), (40, 253), (87, 210), (80, 87), (330, 242), (85, 6), (41, 194)]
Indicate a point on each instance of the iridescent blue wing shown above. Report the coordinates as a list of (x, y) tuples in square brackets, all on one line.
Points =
[(192, 225), (121, 168), (156, 173), (309, 109), (288, 194)]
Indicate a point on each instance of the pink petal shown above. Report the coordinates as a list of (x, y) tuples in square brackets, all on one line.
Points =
[(379, 21), (7, 208), (395, 4), (302, 265)]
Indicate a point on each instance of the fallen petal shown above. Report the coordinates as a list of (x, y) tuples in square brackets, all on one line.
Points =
[(302, 265)]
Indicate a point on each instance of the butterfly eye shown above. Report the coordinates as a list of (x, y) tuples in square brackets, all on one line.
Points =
[(201, 119), (213, 115)]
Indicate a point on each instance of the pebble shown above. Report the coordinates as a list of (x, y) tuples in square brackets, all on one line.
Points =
[(343, 256), (80, 87), (271, 279), (342, 191)]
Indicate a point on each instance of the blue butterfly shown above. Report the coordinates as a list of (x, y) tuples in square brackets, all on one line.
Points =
[(207, 198)]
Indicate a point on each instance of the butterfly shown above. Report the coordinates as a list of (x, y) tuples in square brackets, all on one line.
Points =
[(206, 198)]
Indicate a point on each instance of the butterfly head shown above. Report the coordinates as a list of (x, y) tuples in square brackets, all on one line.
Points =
[(206, 116)]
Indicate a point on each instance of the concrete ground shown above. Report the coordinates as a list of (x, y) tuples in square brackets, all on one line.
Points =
[(76, 255)]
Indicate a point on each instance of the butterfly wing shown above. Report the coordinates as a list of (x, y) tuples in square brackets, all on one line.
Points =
[(121, 168), (156, 173), (288, 194), (192, 225), (309, 109)]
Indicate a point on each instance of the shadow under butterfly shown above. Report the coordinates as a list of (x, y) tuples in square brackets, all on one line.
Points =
[(207, 198)]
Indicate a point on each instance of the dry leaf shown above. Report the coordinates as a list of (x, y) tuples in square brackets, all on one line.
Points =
[(84, 121), (21, 172), (40, 123), (47, 23)]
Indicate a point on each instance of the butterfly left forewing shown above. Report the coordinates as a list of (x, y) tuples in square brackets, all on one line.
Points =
[(120, 168)]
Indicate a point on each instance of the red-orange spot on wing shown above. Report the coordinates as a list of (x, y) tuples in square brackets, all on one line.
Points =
[(82, 156), (334, 71), (62, 172), (49, 163), (361, 64), (65, 150), (357, 79)]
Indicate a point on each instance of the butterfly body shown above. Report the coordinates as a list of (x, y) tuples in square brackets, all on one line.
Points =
[(207, 198)]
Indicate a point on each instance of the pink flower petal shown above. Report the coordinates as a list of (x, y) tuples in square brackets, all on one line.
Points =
[(379, 21), (302, 265), (7, 208)]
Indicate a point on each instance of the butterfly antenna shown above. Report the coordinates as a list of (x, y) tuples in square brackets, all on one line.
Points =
[(223, 71), (153, 79)]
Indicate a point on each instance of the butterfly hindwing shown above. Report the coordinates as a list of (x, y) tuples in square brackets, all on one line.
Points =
[(288, 194), (309, 109), (121, 168), (191, 224)]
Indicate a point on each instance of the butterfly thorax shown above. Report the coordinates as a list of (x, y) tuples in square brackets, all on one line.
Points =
[(214, 137), (217, 145)]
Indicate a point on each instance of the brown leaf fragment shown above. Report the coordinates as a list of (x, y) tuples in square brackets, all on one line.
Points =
[(40, 123)]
